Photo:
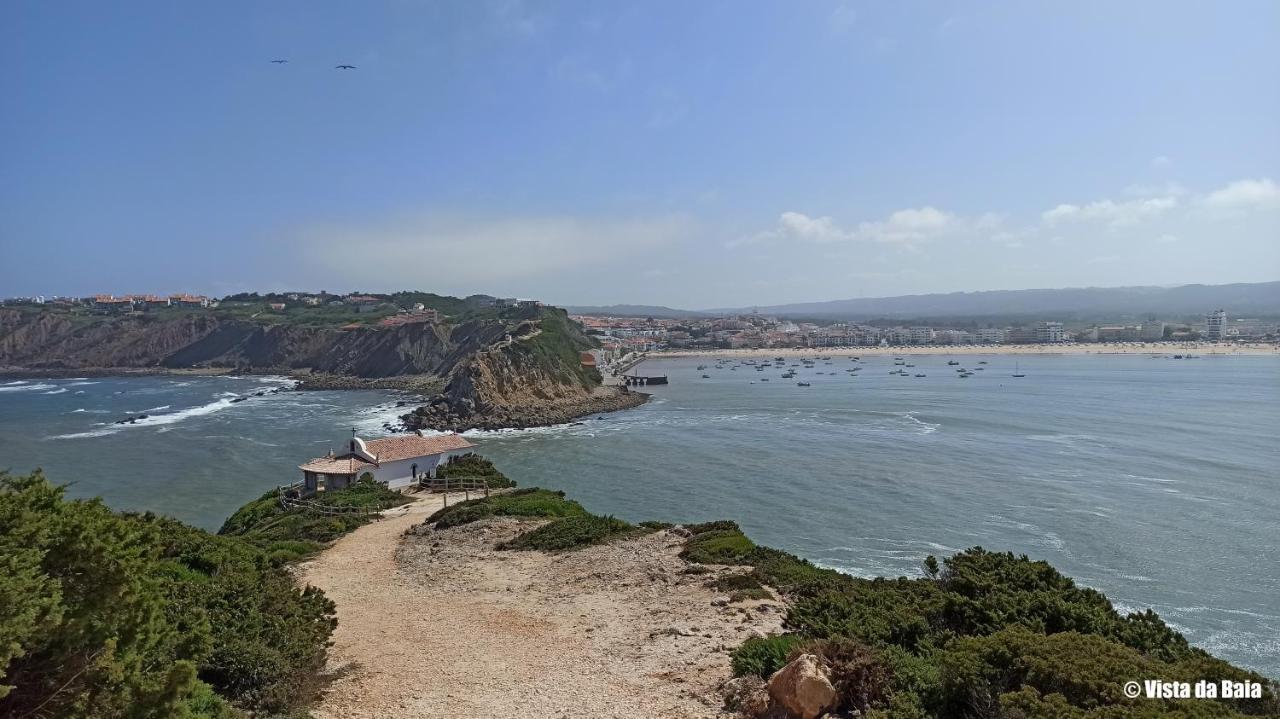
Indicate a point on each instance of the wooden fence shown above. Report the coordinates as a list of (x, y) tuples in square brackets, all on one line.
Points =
[(466, 485), (319, 508)]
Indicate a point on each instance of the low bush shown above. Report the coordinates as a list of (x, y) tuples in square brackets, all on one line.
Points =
[(985, 634), (762, 656), (747, 595), (717, 543), (657, 526), (474, 466), (571, 533), (111, 615), (291, 533), (735, 582), (529, 502)]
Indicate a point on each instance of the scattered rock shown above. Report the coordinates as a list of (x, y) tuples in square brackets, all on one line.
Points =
[(802, 688)]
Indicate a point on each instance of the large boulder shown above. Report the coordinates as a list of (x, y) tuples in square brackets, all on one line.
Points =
[(802, 688)]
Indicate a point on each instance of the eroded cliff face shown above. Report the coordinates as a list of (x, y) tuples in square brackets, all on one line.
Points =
[(532, 378), (204, 340)]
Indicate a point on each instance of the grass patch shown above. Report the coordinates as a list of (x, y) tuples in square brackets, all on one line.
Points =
[(529, 502), (572, 533), (746, 595)]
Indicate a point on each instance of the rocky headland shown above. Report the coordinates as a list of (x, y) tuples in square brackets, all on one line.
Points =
[(510, 367)]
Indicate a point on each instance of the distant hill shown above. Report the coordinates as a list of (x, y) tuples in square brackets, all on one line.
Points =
[(1241, 299), (636, 311)]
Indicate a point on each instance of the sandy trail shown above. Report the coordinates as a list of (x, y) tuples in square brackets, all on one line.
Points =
[(444, 625)]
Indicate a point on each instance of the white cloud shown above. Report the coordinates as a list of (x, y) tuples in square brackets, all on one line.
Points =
[(904, 227), (1114, 214), (1260, 194)]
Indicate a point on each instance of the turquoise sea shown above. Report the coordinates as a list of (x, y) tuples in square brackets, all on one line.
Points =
[(1154, 480)]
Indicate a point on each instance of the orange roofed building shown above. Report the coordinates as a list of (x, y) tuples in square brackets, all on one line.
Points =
[(397, 462)]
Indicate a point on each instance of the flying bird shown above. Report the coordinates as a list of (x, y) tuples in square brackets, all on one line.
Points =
[(279, 62), (344, 67)]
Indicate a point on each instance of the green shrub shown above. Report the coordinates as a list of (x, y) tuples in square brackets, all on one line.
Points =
[(657, 526), (862, 679), (746, 595), (474, 466), (571, 533), (529, 502), (763, 656), (111, 615), (716, 543), (292, 533), (735, 582)]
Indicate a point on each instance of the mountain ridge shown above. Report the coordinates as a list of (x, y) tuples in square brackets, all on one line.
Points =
[(1238, 298)]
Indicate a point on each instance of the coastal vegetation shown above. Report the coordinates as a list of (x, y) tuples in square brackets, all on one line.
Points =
[(571, 525), (473, 466), (528, 502), (982, 634), (288, 530), (104, 614)]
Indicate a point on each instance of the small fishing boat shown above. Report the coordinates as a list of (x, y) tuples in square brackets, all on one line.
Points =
[(802, 384), (952, 362), (919, 375), (706, 376), (1016, 373)]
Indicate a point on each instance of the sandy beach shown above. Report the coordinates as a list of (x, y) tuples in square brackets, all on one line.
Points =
[(1137, 348)]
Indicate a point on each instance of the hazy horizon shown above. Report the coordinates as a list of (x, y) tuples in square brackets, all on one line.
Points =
[(709, 155)]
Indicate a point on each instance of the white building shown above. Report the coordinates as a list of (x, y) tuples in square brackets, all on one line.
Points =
[(1049, 332), (989, 335), (396, 462), (1152, 330), (921, 335), (1214, 324)]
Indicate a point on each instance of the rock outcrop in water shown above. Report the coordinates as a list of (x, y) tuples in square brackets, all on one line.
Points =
[(533, 378)]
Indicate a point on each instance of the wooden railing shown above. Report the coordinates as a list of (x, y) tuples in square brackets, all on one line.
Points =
[(287, 503), (465, 485)]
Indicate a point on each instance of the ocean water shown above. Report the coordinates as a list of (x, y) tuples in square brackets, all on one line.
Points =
[(1154, 480), (197, 456)]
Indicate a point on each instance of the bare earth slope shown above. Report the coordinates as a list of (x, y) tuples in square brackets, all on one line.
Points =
[(443, 625)]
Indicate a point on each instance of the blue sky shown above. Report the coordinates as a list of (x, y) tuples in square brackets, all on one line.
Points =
[(690, 154)]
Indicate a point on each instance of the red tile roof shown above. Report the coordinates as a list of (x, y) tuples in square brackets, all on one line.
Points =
[(390, 449), (335, 465)]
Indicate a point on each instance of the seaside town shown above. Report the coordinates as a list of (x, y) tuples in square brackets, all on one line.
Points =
[(392, 312), (620, 336)]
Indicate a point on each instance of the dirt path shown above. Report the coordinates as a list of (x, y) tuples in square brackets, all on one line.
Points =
[(444, 625)]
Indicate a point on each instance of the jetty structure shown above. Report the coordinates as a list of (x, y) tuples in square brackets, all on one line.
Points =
[(397, 462), (641, 381)]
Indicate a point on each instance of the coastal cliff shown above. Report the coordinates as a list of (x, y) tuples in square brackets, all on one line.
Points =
[(510, 367), (209, 340), (534, 377)]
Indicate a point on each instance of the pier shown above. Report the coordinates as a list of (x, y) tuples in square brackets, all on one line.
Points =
[(632, 380)]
